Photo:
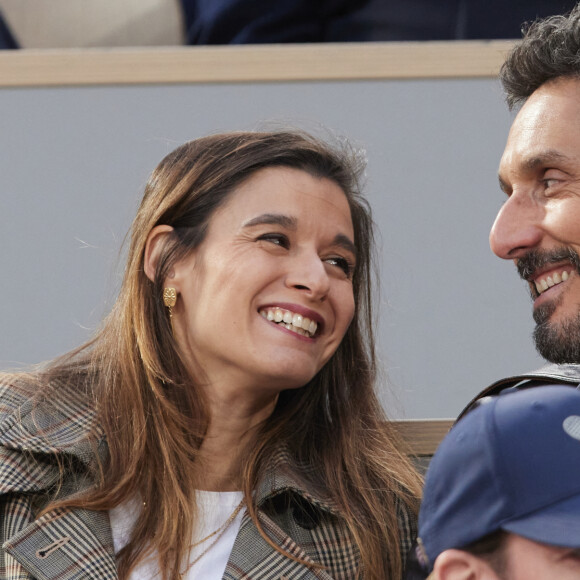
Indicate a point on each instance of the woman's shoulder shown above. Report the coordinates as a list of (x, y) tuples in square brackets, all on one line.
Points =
[(51, 413), (16, 389)]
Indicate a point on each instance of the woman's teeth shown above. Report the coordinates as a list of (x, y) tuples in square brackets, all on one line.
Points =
[(290, 320), (543, 284)]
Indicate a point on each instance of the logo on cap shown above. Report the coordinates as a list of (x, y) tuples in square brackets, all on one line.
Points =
[(571, 426)]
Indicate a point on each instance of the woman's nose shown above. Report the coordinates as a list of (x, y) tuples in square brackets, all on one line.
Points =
[(517, 227), (308, 274)]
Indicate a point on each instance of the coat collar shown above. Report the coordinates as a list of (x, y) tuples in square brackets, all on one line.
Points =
[(35, 435), (281, 477), (62, 424), (68, 426)]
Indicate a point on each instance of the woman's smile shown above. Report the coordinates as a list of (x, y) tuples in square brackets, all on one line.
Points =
[(294, 318)]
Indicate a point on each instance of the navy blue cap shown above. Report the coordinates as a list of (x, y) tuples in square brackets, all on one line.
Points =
[(512, 464)]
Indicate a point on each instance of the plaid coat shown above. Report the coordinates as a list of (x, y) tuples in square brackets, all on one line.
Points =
[(78, 544)]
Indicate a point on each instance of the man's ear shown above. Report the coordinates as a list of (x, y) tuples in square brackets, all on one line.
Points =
[(460, 565), (153, 247)]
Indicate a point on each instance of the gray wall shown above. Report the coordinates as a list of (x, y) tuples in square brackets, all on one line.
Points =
[(74, 161)]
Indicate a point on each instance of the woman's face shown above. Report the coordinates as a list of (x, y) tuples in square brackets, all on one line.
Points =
[(281, 247)]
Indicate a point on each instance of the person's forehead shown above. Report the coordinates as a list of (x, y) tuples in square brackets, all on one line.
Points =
[(520, 549), (553, 101), (547, 125), (291, 194)]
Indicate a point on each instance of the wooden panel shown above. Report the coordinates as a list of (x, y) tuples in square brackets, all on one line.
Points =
[(423, 436), (251, 63)]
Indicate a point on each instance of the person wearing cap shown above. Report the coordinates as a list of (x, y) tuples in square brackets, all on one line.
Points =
[(502, 492)]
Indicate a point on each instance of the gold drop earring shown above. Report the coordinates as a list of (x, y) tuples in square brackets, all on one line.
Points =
[(169, 299)]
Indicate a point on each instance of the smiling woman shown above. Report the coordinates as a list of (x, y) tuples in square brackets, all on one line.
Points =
[(223, 423)]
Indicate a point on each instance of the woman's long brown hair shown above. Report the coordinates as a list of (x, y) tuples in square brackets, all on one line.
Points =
[(155, 418)]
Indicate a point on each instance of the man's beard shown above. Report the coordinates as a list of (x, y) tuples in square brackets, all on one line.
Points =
[(556, 342)]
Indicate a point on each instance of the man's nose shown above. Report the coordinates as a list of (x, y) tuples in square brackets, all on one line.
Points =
[(517, 227)]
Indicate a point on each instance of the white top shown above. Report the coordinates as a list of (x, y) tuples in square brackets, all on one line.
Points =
[(215, 508)]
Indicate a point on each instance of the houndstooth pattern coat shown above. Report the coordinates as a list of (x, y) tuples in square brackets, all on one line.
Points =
[(78, 544)]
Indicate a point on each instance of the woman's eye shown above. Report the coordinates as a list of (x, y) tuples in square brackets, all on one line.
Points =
[(341, 263), (276, 239)]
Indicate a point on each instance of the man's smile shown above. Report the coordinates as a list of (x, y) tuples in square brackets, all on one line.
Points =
[(546, 269), (552, 278)]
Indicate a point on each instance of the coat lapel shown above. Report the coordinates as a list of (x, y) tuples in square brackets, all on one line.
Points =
[(252, 558), (34, 437), (68, 545), (324, 541)]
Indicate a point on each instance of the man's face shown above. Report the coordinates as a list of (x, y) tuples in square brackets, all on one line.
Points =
[(520, 559), (538, 227), (526, 560)]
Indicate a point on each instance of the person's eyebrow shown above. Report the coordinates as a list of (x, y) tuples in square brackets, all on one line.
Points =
[(546, 158), (285, 221), (344, 242), (534, 162), (291, 223)]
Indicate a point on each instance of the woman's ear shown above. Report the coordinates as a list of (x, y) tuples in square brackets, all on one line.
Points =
[(156, 239)]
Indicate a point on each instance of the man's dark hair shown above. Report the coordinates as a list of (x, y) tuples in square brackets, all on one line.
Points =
[(492, 549), (550, 49)]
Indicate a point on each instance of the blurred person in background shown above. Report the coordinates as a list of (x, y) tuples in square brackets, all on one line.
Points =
[(65, 23)]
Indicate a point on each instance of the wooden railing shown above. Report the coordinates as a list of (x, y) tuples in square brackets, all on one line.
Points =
[(252, 63), (423, 435)]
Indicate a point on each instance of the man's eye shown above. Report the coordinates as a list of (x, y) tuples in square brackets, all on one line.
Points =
[(276, 239), (341, 263), (553, 178)]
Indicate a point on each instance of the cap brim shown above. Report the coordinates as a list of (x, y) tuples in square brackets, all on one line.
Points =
[(556, 525)]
